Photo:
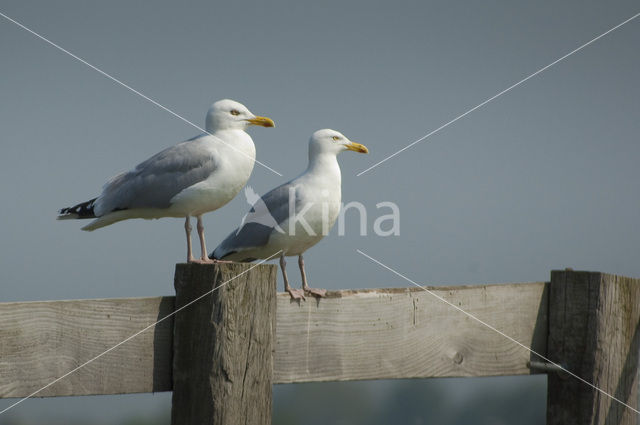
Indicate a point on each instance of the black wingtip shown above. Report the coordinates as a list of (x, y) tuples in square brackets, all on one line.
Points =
[(82, 210)]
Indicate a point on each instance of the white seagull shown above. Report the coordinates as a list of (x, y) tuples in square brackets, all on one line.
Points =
[(189, 179), (304, 208)]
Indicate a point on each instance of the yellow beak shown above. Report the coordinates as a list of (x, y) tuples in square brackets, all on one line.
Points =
[(263, 121), (357, 147)]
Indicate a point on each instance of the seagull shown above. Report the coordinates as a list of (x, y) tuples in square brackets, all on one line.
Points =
[(189, 179), (304, 209)]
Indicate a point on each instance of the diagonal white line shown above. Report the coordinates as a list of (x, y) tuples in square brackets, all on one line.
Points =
[(114, 79), (136, 334), (499, 94), (496, 330)]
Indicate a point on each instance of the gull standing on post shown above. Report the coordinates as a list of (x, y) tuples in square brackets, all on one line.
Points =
[(189, 179), (304, 209)]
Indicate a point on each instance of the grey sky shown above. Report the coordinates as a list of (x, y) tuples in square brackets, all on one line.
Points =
[(544, 177)]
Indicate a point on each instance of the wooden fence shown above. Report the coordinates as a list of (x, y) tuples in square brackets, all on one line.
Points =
[(221, 354)]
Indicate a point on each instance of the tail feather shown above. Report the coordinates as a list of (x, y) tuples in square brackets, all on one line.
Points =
[(80, 211)]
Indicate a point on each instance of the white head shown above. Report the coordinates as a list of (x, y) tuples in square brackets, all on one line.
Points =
[(332, 142), (228, 114)]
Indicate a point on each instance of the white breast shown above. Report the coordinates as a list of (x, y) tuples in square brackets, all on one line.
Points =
[(235, 160), (314, 217)]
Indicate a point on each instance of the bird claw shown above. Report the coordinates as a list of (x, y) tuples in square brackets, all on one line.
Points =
[(316, 292), (296, 294), (200, 261)]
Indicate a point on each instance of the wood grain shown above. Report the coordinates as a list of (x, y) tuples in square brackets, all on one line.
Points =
[(594, 331), (41, 341), (223, 355), (352, 334), (408, 333)]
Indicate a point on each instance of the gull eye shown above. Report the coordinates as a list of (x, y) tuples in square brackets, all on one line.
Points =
[(336, 138), (235, 112)]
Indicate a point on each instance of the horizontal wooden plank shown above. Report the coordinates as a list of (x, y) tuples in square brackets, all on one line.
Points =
[(41, 341), (408, 333), (350, 335)]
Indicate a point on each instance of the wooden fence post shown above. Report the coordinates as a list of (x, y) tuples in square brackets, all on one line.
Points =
[(594, 331), (223, 344)]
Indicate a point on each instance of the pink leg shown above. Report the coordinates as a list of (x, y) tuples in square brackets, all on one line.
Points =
[(187, 228), (313, 291), (296, 294), (204, 258)]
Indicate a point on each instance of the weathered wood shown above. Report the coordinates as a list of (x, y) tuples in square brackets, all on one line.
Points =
[(352, 334), (223, 344), (408, 333), (594, 331), (42, 341)]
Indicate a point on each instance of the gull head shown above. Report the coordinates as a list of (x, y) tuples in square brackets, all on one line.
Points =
[(228, 114), (331, 141)]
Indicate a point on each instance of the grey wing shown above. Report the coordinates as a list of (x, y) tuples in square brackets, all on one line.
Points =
[(154, 182), (277, 201), (250, 235), (253, 234)]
